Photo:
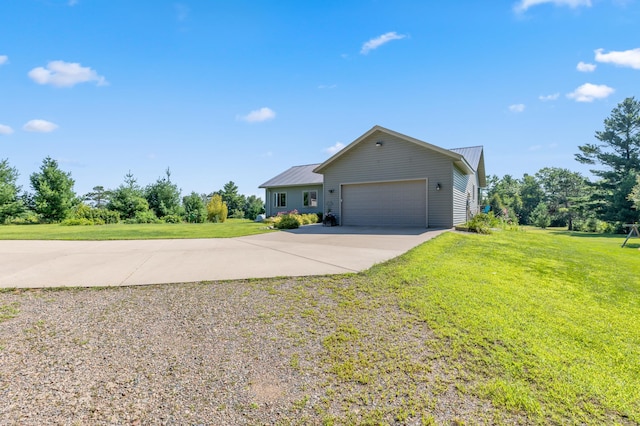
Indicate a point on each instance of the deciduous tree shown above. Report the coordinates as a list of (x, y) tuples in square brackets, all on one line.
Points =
[(217, 209)]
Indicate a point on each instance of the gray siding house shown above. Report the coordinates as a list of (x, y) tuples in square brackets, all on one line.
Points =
[(385, 178), (297, 188)]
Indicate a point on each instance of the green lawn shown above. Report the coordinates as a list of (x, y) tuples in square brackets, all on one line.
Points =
[(542, 323), (228, 229), (517, 327)]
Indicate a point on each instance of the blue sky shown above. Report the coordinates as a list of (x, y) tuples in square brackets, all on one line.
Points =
[(242, 90)]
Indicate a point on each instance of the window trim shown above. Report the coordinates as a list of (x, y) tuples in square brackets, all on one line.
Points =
[(276, 199), (311, 200)]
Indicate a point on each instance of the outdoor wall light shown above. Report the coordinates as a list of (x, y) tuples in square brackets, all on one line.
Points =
[(331, 191), (379, 143), (438, 186)]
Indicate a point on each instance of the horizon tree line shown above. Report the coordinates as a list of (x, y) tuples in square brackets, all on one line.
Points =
[(552, 196)]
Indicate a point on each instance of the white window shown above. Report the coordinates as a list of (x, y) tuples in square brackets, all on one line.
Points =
[(310, 198), (280, 199)]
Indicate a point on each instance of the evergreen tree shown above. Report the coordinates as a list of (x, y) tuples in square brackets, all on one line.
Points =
[(53, 191), (128, 199), (98, 197), (540, 216), (618, 155), (563, 189), (194, 208), (10, 202), (253, 207), (235, 202), (531, 194), (163, 196)]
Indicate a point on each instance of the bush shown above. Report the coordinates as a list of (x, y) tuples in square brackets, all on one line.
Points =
[(144, 217), (288, 221), (24, 219), (77, 222), (172, 218), (94, 215), (289, 218), (540, 216), (595, 225), (105, 216), (482, 223), (237, 214), (217, 210)]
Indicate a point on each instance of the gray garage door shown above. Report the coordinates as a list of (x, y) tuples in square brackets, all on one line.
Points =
[(385, 204)]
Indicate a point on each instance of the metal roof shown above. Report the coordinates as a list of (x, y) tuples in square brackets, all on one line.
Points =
[(472, 154), (475, 157), (296, 176)]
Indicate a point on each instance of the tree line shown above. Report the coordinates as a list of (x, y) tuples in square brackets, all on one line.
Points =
[(551, 197), (54, 200), (560, 197)]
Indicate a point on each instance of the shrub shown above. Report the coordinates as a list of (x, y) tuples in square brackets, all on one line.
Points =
[(482, 223), (94, 215), (217, 210), (77, 222), (540, 216), (172, 218), (105, 216), (144, 217), (285, 220), (594, 225), (288, 221), (25, 219), (237, 214), (309, 218)]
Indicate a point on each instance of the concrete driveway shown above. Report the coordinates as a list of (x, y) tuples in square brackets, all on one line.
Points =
[(310, 250)]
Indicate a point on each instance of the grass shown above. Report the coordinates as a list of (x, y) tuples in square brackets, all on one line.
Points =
[(544, 323), (532, 327), (230, 228)]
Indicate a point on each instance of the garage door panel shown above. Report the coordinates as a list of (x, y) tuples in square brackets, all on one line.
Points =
[(385, 204)]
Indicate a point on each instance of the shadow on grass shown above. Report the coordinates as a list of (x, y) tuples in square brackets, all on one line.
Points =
[(631, 244), (589, 235)]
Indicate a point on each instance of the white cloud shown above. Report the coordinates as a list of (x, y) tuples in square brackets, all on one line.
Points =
[(327, 86), (625, 58), (72, 2), (584, 67), (374, 43), (535, 148), (40, 126), (517, 108), (262, 114), (5, 130), (552, 97), (335, 148), (589, 92), (524, 5), (3, 59), (65, 74)]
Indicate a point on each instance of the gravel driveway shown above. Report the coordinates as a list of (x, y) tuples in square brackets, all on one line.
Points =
[(270, 351)]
